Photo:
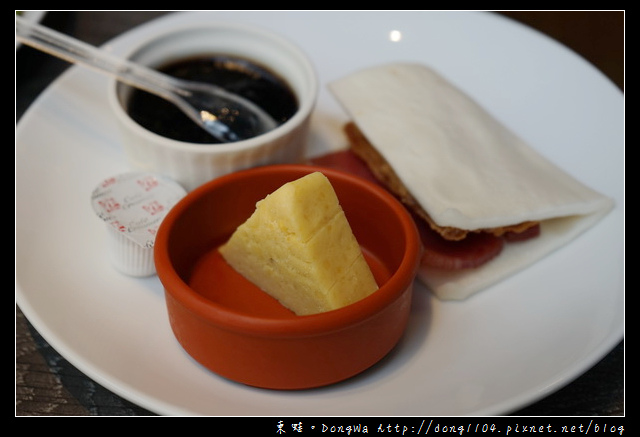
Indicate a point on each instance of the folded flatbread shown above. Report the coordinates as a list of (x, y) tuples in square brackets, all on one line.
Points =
[(465, 168)]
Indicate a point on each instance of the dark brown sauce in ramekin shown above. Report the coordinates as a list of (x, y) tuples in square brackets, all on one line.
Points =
[(241, 76)]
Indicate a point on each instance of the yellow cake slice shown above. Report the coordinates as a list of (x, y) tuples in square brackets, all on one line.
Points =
[(298, 247)]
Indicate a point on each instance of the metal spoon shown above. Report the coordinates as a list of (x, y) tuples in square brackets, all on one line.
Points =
[(226, 116)]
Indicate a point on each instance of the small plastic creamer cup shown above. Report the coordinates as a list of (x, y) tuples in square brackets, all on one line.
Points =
[(133, 205), (192, 164)]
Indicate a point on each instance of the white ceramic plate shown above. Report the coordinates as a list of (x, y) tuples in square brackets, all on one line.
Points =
[(498, 351)]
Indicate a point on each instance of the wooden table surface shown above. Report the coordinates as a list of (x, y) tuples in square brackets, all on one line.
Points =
[(48, 385)]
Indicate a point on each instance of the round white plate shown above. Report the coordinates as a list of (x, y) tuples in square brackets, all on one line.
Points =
[(498, 351)]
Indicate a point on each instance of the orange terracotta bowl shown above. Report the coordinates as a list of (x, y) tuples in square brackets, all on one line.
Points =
[(239, 332)]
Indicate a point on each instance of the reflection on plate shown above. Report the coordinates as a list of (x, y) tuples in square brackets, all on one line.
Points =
[(503, 348)]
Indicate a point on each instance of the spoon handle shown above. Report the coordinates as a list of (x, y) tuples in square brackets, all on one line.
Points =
[(75, 51), (206, 104)]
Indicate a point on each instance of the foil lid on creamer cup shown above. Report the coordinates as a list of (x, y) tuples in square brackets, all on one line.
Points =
[(133, 205)]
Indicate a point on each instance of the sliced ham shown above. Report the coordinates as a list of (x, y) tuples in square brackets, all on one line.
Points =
[(473, 251)]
